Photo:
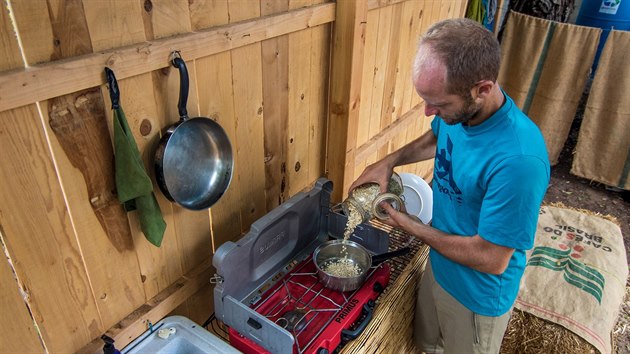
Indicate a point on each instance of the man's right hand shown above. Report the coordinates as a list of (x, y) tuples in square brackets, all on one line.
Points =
[(379, 172)]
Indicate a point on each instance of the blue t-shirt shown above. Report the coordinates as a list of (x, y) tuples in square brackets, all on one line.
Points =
[(489, 180)]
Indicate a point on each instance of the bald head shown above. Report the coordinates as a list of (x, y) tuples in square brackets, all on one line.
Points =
[(467, 52)]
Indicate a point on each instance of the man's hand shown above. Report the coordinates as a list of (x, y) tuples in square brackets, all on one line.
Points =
[(399, 219), (379, 172)]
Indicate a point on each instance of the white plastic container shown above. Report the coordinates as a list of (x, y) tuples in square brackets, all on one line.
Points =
[(178, 335)]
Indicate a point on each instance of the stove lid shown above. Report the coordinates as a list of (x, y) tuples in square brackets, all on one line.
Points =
[(288, 232)]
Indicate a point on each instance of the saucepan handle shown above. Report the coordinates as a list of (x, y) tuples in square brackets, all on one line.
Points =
[(380, 258)]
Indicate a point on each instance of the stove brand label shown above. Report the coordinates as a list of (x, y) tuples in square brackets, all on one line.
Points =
[(264, 248), (346, 310)]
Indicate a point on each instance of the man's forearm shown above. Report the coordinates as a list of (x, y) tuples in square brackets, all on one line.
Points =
[(471, 251), (423, 148)]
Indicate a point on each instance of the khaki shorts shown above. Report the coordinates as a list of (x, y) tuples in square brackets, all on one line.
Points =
[(443, 325)]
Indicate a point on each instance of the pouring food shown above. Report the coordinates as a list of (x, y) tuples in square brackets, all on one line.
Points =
[(364, 200)]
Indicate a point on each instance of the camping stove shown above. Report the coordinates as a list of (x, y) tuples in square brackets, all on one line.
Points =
[(267, 291), (319, 319)]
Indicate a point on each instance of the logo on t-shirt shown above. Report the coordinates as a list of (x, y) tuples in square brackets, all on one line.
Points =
[(444, 172)]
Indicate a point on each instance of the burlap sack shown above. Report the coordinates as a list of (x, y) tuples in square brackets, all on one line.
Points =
[(544, 68), (603, 147), (576, 274)]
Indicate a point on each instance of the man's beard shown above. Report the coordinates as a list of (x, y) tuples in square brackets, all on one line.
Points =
[(464, 115)]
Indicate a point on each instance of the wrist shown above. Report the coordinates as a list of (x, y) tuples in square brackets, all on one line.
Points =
[(391, 161)]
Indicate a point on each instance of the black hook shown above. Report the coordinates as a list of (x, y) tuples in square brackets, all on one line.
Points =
[(114, 93)]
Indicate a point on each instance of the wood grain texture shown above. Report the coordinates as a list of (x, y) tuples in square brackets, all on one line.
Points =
[(299, 96), (112, 24), (40, 82), (33, 18), (377, 121), (19, 332), (367, 82), (347, 61), (168, 18), (411, 16), (275, 75), (387, 134), (300, 46), (376, 4), (248, 107), (207, 13), (414, 25), (37, 232), (40, 236), (391, 70), (320, 60)]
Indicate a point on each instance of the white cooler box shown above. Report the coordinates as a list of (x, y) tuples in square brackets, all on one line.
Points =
[(178, 335)]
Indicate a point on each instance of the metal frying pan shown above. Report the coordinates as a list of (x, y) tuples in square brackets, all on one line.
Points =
[(193, 160)]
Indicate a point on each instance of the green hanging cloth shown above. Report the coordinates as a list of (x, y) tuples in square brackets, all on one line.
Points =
[(475, 10), (134, 187)]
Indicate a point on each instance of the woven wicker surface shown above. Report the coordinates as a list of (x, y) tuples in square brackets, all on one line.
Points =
[(390, 330)]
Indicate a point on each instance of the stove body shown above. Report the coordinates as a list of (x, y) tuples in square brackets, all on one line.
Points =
[(267, 290)]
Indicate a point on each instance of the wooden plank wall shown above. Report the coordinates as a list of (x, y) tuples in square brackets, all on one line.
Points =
[(83, 265), (77, 265), (391, 113)]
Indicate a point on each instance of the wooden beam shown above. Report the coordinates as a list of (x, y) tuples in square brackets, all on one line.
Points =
[(345, 92), (398, 126), (136, 323), (41, 82)]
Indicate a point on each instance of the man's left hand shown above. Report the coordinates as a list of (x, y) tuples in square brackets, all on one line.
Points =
[(399, 219)]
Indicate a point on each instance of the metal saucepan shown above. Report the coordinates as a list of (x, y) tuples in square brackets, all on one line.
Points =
[(331, 251), (193, 160)]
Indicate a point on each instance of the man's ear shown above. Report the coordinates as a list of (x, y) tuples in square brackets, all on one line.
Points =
[(482, 89)]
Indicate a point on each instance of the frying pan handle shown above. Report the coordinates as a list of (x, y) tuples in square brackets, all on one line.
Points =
[(178, 62), (380, 258)]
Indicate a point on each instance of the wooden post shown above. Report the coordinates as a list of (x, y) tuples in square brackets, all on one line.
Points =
[(345, 92)]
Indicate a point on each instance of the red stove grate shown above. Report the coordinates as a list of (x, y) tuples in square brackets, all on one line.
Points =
[(316, 316)]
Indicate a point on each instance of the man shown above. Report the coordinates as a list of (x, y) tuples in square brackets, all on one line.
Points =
[(490, 175)]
